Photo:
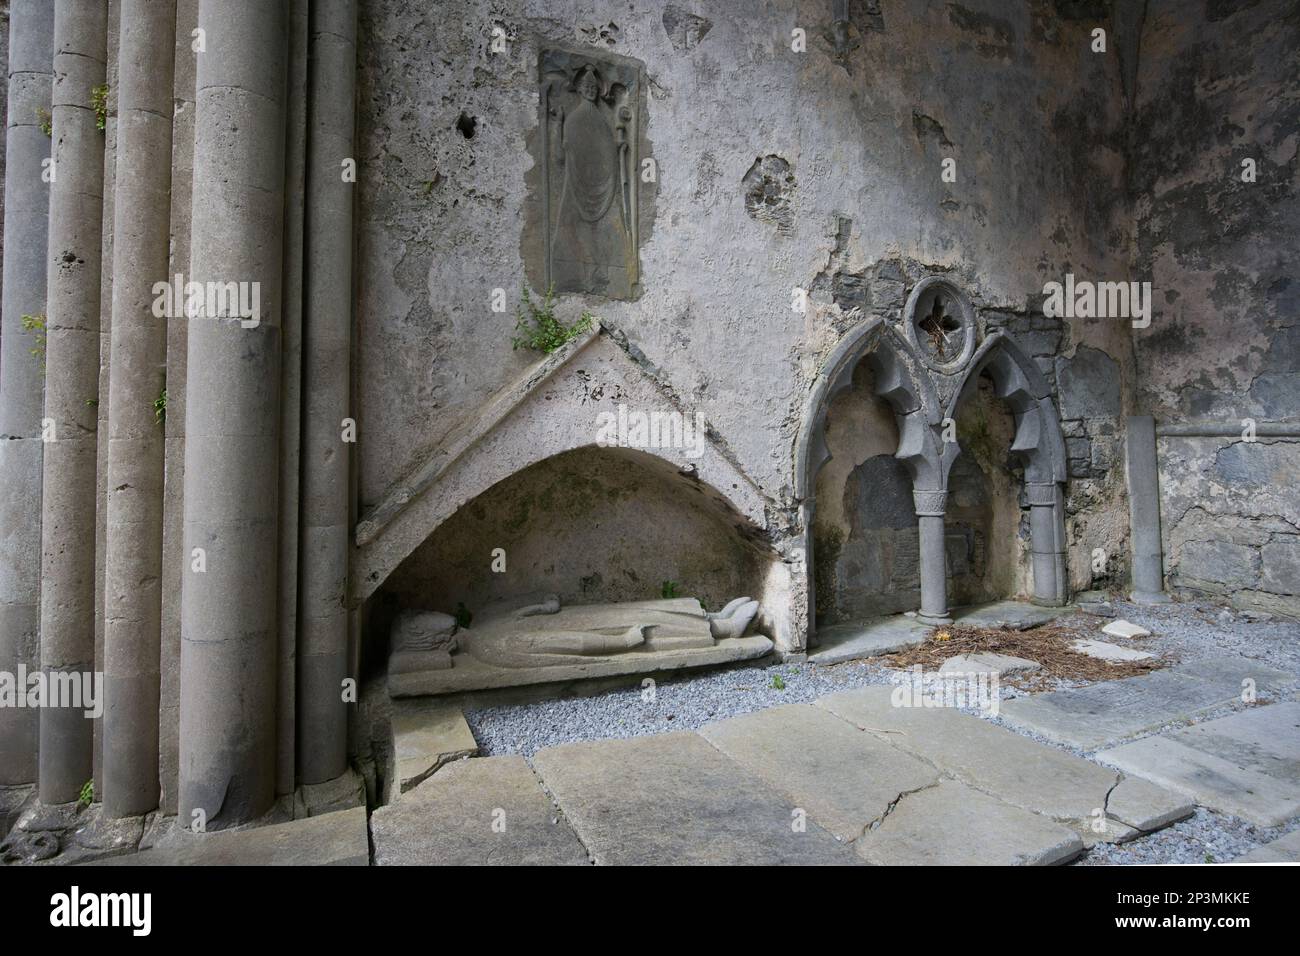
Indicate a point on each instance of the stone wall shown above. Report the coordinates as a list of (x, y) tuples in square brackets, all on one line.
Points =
[(776, 170), (1216, 87)]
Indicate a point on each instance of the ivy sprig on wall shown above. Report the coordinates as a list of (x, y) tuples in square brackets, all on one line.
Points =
[(537, 327)]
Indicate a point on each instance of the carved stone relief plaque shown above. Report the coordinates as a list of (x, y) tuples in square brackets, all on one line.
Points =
[(590, 121)]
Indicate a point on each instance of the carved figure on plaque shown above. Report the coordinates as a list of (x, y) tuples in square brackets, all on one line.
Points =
[(589, 116)]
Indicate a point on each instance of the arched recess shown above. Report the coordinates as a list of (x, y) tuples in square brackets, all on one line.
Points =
[(1038, 443), (557, 406), (901, 381)]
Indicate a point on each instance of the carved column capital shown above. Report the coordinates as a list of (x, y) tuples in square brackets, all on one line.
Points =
[(933, 503), (1041, 493)]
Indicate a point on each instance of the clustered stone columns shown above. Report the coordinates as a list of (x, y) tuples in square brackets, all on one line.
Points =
[(26, 225), (138, 355), (71, 393), (930, 508), (327, 340), (218, 201), (229, 624)]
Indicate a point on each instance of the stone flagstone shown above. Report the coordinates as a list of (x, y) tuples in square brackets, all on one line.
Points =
[(1263, 738), (673, 799), (1282, 850), (486, 810), (426, 735), (1123, 628), (331, 839), (1211, 781), (844, 778), (1012, 768), (1109, 652), (851, 642), (1099, 714), (987, 663), (952, 824)]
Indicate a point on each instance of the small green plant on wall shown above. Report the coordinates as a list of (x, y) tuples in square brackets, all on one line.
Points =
[(668, 590), (537, 327), (34, 325), (99, 100), (87, 795), (45, 121), (160, 407)]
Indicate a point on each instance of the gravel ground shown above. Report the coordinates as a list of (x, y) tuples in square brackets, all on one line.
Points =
[(1186, 631)]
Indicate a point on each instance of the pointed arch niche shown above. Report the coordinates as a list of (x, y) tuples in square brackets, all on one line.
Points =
[(887, 361)]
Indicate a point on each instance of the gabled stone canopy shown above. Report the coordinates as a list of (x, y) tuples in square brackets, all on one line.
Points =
[(554, 407)]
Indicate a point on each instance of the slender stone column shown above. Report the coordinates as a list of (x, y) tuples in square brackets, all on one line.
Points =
[(930, 507), (174, 559), (26, 224), (1046, 542), (71, 390), (1144, 510), (133, 551), (327, 341), (228, 609), (295, 177)]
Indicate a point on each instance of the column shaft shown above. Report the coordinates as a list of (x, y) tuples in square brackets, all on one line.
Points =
[(26, 225), (930, 507), (327, 346), (1142, 471), (71, 391), (229, 609), (133, 551)]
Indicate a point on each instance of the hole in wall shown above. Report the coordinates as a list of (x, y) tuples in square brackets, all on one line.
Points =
[(467, 125)]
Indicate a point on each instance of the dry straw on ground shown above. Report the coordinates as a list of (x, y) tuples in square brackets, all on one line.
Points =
[(1048, 644)]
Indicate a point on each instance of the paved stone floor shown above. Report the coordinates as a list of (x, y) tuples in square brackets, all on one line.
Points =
[(852, 778)]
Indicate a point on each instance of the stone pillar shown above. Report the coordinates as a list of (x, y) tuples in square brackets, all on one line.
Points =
[(1047, 541), (26, 224), (71, 391), (1143, 476), (133, 549), (930, 508), (228, 609), (174, 559), (327, 346)]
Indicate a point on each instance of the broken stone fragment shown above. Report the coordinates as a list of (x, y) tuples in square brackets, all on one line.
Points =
[(984, 663), (1109, 652), (1123, 628)]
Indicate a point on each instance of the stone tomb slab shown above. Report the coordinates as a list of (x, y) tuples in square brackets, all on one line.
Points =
[(845, 779), (485, 810), (675, 799), (1012, 768), (1099, 714), (331, 839), (952, 824)]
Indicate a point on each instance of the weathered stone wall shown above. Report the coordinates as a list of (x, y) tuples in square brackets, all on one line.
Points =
[(1216, 87), (776, 170)]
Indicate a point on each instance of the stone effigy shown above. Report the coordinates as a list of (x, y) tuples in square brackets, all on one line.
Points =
[(589, 120), (547, 642)]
